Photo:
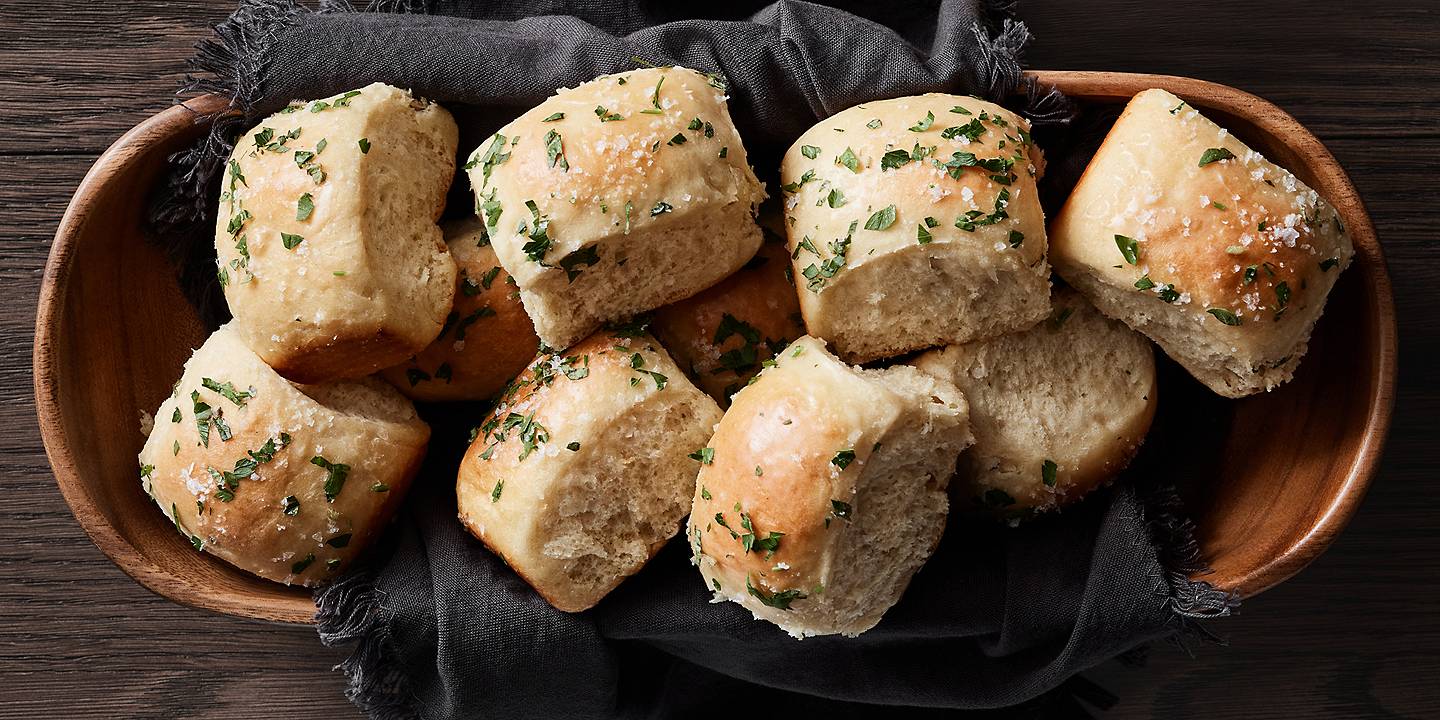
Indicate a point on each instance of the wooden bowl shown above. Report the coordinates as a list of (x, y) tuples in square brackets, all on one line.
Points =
[(113, 331)]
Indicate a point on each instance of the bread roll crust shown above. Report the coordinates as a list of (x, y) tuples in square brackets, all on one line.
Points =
[(487, 338), (780, 515), (258, 499), (894, 250), (581, 473), (616, 197), (1077, 392), (1234, 255), (722, 335), (326, 239)]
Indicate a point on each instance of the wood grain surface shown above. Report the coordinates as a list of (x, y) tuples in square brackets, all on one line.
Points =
[(1355, 635)]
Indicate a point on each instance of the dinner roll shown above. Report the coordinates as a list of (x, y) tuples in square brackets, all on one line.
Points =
[(1192, 238), (914, 222), (1056, 410), (286, 481), (580, 475), (616, 197), (722, 335), (327, 245), (487, 338), (823, 490)]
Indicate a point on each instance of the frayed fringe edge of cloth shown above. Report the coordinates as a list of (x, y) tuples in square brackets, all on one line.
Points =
[(1189, 600), (350, 611)]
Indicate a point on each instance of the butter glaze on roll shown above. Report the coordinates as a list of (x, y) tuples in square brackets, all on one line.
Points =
[(1187, 235), (723, 335), (289, 482), (328, 251), (487, 338), (618, 196), (823, 490), (913, 223)]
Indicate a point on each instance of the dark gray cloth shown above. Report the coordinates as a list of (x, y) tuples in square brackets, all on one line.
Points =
[(443, 629)]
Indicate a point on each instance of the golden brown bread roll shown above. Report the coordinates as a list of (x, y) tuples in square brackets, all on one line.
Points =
[(487, 338), (581, 473), (289, 482), (823, 490), (1192, 238), (914, 222), (616, 197), (326, 239), (722, 335)]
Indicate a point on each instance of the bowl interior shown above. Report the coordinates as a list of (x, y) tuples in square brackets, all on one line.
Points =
[(112, 334), (1269, 479)]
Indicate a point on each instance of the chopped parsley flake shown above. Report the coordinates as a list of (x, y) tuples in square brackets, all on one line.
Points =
[(1128, 248), (922, 235), (1224, 316), (1215, 155), (300, 566), (304, 207), (779, 600), (335, 474), (893, 159), (924, 124), (881, 219), (555, 151)]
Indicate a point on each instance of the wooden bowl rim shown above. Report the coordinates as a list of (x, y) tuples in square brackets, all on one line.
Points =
[(1079, 84), (45, 358), (1338, 189)]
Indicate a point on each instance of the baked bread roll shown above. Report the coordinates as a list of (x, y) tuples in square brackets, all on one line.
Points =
[(723, 335), (914, 222), (1056, 410), (1192, 238), (580, 475), (487, 338), (289, 482), (823, 490), (628, 192), (326, 240)]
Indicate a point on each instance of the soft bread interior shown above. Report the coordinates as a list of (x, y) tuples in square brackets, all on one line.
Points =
[(622, 498), (367, 399), (1076, 391), (643, 270), (949, 295), (403, 247), (1182, 337), (900, 505)]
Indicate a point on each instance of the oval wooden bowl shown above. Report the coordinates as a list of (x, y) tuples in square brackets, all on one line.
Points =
[(113, 331)]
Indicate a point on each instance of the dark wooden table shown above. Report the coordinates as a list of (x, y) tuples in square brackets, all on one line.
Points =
[(1355, 635)]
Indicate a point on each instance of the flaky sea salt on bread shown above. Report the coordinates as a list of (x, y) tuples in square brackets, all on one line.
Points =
[(618, 196), (328, 251), (1189, 236)]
